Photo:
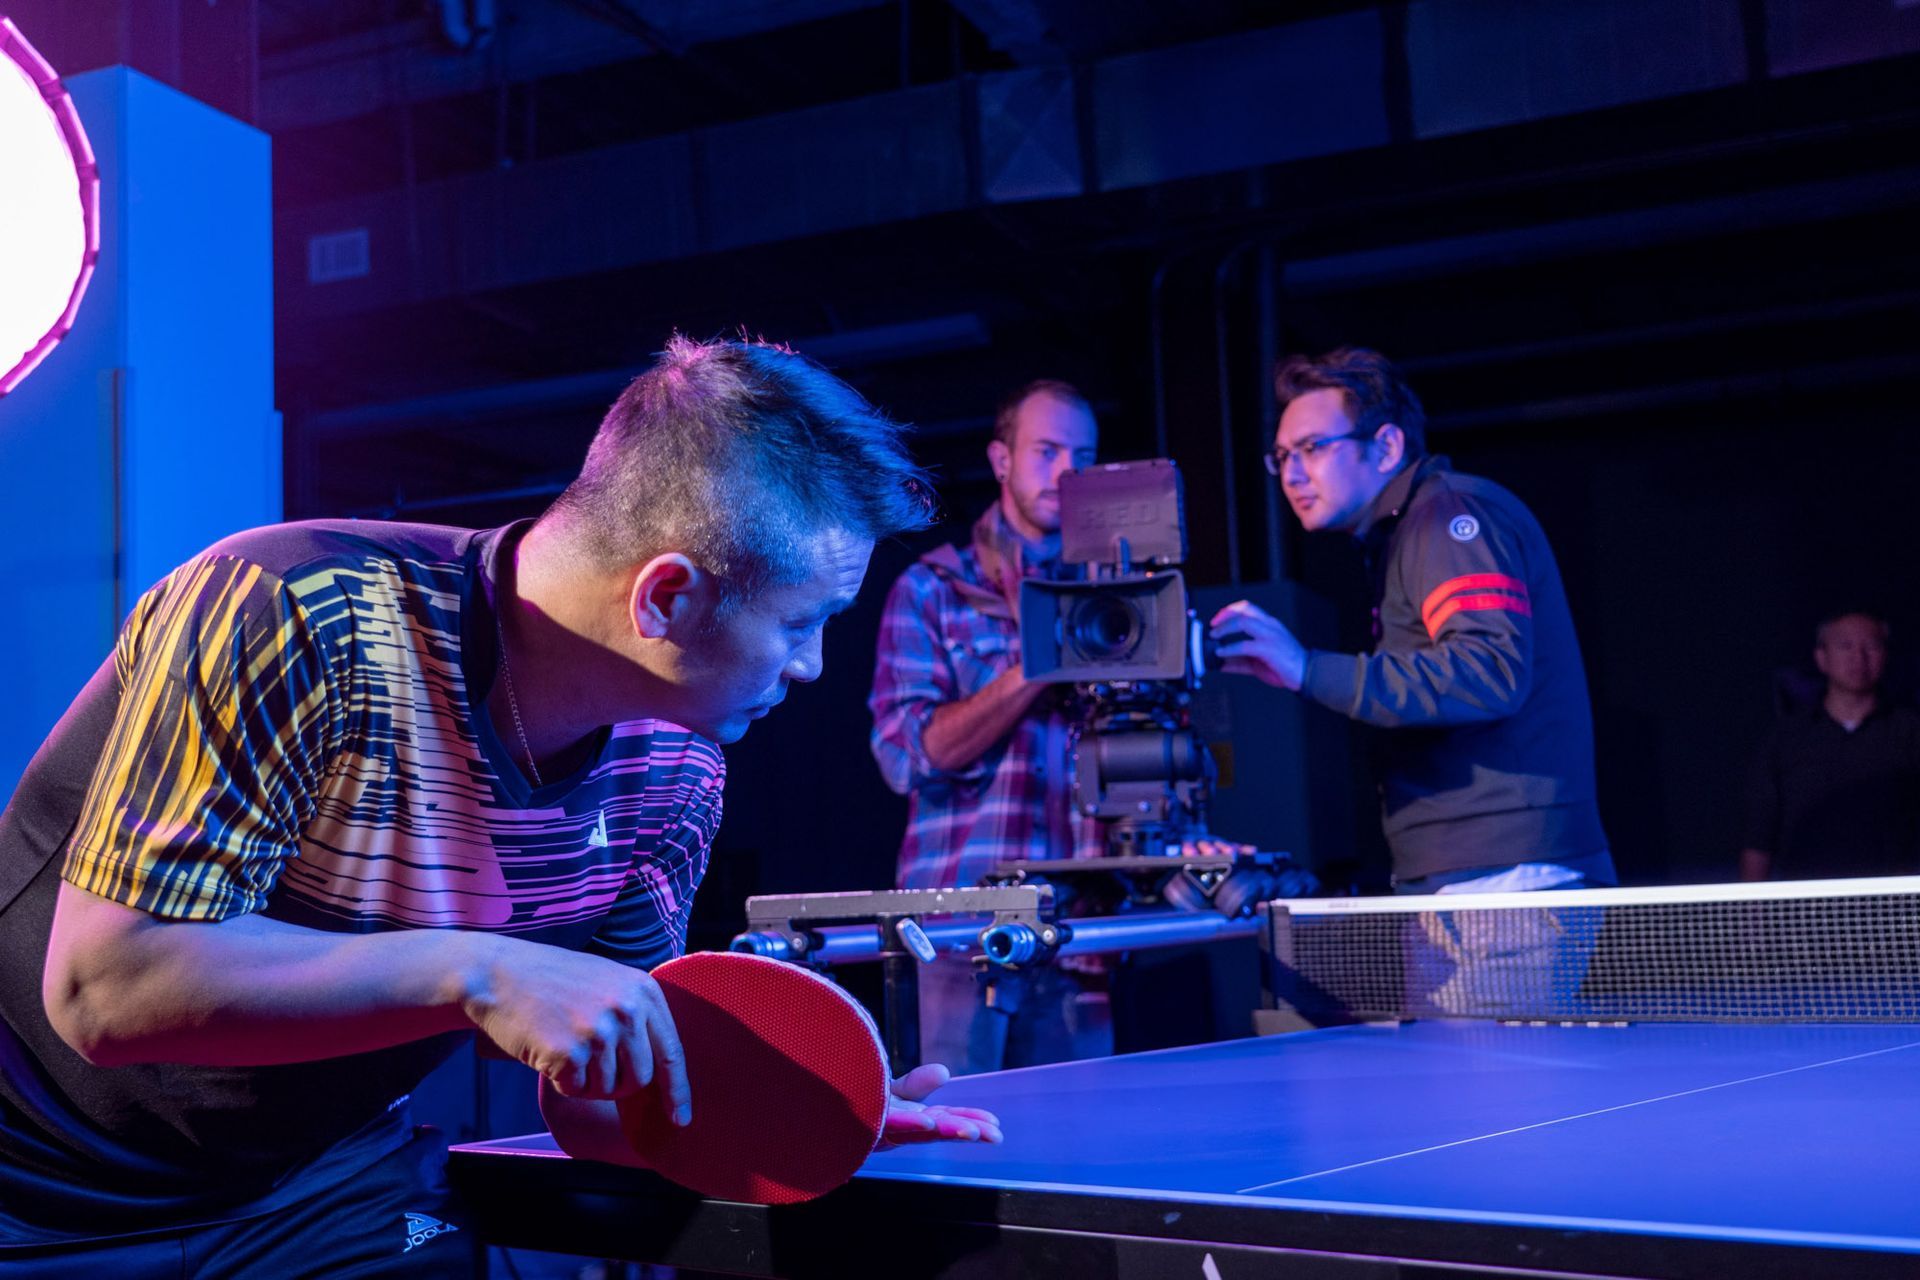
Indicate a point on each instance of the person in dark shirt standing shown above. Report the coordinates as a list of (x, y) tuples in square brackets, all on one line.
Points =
[(1835, 789)]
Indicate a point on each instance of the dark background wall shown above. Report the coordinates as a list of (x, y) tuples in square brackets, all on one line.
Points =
[(1700, 555)]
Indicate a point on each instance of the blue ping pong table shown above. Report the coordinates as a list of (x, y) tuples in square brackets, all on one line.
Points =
[(1426, 1148)]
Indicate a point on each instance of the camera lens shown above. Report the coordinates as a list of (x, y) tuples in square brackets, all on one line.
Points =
[(1105, 627)]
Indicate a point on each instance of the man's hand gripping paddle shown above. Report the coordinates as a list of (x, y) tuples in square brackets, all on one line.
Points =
[(790, 1081)]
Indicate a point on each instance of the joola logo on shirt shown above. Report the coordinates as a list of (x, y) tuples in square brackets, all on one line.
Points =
[(598, 837), (421, 1228)]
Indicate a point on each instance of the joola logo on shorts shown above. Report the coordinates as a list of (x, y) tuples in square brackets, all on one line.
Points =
[(421, 1228)]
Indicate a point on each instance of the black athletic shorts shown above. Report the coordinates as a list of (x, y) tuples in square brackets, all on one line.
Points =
[(396, 1219)]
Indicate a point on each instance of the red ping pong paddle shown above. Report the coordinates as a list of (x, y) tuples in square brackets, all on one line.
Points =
[(789, 1079)]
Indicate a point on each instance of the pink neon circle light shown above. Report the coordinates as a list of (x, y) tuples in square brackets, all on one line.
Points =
[(49, 207)]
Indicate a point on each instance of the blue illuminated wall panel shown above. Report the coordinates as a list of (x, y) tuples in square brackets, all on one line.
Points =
[(150, 431)]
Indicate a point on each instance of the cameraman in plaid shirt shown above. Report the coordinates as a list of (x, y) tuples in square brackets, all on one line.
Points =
[(979, 751)]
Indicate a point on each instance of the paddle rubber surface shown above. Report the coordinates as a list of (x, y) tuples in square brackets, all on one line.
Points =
[(789, 1079)]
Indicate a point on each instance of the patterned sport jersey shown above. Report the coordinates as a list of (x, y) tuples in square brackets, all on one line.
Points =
[(294, 723)]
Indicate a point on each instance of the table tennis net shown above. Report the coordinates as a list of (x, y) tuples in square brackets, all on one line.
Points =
[(1807, 951)]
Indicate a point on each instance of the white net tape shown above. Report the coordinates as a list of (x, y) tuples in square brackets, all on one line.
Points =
[(1810, 951)]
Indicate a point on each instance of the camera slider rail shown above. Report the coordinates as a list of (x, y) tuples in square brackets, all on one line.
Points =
[(800, 927), (797, 928), (822, 930), (1229, 883)]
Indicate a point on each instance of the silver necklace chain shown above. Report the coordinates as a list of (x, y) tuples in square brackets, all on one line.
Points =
[(513, 703)]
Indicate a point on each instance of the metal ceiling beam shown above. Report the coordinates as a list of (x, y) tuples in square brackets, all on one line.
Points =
[(1262, 98), (1258, 99), (356, 75), (842, 349), (1021, 29)]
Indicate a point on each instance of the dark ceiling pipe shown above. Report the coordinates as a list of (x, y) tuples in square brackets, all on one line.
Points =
[(1223, 383), (596, 390), (1770, 385), (1643, 228), (1157, 326)]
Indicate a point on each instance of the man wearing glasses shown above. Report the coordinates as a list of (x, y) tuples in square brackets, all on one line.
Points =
[(1482, 732)]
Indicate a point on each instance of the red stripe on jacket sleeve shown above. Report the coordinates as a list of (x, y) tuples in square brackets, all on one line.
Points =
[(1464, 604), (1469, 582)]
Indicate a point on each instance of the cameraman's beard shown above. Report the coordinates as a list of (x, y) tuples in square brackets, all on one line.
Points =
[(1035, 516), (1037, 553), (1005, 556)]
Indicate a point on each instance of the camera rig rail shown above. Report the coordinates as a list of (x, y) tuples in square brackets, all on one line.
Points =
[(1010, 927)]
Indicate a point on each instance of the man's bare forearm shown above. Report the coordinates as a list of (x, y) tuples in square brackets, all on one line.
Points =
[(959, 733), (122, 986)]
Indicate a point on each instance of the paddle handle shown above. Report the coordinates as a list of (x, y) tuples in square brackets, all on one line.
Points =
[(585, 1128)]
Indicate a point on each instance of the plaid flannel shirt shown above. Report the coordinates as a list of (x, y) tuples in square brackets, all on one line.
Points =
[(1013, 802)]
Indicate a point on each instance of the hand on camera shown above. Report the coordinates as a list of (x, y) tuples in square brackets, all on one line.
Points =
[(1251, 642)]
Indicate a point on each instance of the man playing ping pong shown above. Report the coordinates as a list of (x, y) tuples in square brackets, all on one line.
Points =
[(347, 791)]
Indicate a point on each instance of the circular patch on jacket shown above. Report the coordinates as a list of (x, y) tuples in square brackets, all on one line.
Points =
[(1463, 529)]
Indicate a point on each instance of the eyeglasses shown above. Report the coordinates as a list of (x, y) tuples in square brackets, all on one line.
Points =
[(1306, 450)]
